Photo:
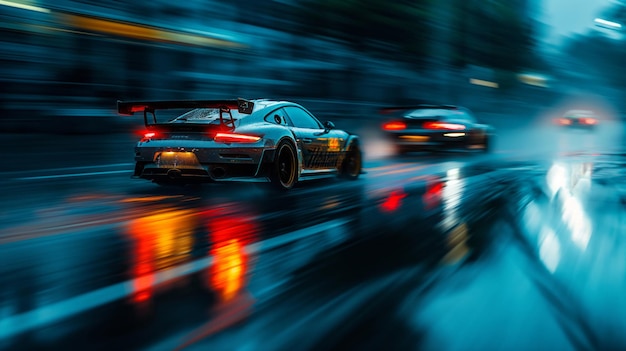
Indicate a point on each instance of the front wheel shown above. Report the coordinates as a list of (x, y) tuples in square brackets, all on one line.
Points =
[(284, 172), (352, 163)]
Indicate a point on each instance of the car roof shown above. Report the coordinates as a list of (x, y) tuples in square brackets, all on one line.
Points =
[(260, 104), (421, 106)]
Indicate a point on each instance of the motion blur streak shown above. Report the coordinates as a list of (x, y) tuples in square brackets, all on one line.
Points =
[(549, 250), (93, 25), (451, 198), (577, 221), (230, 233), (161, 241), (141, 32), (512, 244), (557, 178), (484, 83), (23, 6), (229, 268), (432, 196)]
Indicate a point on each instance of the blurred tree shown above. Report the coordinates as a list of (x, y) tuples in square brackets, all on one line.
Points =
[(599, 56), (495, 33), (392, 28)]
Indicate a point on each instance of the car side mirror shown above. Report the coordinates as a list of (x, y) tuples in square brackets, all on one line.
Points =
[(328, 125)]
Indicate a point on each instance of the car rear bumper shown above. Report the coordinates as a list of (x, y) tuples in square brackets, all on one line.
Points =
[(202, 165), (436, 140)]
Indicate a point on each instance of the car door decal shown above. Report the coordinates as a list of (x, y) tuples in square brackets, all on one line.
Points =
[(327, 155)]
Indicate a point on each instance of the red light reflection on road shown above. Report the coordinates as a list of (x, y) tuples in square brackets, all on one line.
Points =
[(393, 201), (160, 241), (432, 196), (230, 232), (229, 267)]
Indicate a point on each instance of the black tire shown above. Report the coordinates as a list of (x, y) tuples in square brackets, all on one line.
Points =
[(487, 144), (139, 166), (284, 171), (401, 151), (352, 164)]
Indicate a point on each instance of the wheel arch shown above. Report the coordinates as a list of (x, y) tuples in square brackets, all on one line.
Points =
[(352, 139), (291, 139)]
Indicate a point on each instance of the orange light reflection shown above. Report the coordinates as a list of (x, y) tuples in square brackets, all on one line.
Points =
[(229, 235), (161, 240)]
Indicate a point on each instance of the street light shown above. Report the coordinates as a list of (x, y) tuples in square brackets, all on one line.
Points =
[(607, 24)]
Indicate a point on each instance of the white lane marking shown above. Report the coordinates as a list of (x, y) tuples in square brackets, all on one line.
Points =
[(45, 170), (54, 312), (293, 236), (73, 175), (88, 167)]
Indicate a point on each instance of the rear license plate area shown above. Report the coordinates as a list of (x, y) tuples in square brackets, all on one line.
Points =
[(176, 159), (415, 138)]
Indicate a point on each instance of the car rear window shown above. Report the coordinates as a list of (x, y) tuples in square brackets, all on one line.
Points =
[(427, 113), (578, 113), (206, 115)]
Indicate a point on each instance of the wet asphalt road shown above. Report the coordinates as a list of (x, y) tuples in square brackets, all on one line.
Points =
[(514, 250)]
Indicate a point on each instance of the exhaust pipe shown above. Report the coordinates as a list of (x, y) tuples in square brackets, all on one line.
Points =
[(218, 172)]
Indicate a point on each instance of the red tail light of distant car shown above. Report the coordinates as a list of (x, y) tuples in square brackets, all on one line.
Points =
[(588, 121), (394, 125), (443, 126), (562, 121)]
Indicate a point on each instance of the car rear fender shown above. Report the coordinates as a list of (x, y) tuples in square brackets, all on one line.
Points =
[(352, 139), (291, 139), (270, 153), (486, 128)]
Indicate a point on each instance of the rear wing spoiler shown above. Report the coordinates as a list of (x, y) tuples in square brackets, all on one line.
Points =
[(128, 108), (392, 109)]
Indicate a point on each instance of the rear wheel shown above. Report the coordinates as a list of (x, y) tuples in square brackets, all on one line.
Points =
[(284, 173), (139, 166), (352, 163)]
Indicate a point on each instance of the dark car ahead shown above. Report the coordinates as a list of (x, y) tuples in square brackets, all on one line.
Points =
[(245, 140), (435, 127)]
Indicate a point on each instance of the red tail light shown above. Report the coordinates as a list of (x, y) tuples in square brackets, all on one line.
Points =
[(443, 125), (138, 108), (236, 138), (147, 134), (589, 121), (394, 126), (564, 121)]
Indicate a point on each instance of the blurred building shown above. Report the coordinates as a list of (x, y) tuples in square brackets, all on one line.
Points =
[(107, 50), (92, 53)]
